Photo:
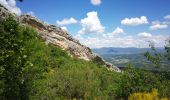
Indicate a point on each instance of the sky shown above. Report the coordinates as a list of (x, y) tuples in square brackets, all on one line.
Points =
[(103, 23)]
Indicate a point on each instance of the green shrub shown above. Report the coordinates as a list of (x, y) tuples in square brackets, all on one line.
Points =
[(146, 96), (138, 80)]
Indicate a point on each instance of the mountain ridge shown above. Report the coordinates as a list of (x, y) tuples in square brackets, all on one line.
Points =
[(118, 50), (55, 35)]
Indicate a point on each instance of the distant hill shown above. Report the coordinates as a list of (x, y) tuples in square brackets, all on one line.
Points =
[(123, 56), (114, 50)]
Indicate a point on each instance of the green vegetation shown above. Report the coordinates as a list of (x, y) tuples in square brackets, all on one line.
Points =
[(146, 96), (156, 57), (32, 70), (13, 59), (137, 80)]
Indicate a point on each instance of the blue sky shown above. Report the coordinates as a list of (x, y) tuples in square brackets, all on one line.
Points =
[(104, 23)]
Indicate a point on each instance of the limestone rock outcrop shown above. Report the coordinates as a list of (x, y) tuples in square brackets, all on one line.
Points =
[(55, 35)]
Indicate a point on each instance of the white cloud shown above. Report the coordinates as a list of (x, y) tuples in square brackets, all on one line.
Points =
[(96, 2), (125, 41), (67, 21), (144, 35), (156, 22), (98, 42), (166, 22), (11, 6), (31, 13), (91, 24), (118, 31), (158, 25), (167, 17), (135, 21), (64, 28)]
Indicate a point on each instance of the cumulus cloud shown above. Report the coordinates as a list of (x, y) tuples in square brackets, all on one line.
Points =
[(91, 24), (158, 26), (167, 17), (64, 28), (135, 21), (11, 6), (123, 41), (67, 21), (117, 31), (96, 2), (144, 35)]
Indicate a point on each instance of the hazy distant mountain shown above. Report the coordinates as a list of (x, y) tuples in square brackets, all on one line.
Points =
[(122, 56), (114, 50)]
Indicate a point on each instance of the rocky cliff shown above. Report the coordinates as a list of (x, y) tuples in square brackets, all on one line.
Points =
[(55, 35)]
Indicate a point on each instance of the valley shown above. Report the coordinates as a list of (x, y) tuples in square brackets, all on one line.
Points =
[(121, 57)]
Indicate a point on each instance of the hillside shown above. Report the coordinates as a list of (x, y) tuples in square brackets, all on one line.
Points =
[(37, 63), (55, 35)]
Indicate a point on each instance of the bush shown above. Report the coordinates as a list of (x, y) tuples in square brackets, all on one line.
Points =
[(77, 79), (14, 59), (138, 80), (146, 96)]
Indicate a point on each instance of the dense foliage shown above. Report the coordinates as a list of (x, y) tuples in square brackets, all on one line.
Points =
[(14, 62), (137, 80), (32, 70)]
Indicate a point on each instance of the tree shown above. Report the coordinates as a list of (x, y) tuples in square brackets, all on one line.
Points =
[(167, 48), (13, 59), (156, 57)]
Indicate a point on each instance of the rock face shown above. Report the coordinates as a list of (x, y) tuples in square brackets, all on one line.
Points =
[(55, 35)]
